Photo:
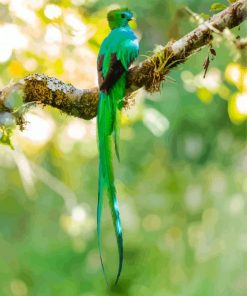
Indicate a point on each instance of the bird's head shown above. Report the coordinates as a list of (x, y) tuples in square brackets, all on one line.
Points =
[(119, 17)]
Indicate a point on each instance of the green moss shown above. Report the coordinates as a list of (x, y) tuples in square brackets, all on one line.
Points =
[(154, 70)]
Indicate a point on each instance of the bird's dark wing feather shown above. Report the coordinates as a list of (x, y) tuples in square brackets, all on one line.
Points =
[(116, 69), (99, 69)]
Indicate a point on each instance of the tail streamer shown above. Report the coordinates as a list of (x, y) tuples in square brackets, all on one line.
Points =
[(106, 125)]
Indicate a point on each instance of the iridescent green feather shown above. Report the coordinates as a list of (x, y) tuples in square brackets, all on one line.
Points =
[(123, 43), (107, 125)]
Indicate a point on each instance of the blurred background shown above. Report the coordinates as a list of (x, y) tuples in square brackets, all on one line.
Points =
[(181, 181)]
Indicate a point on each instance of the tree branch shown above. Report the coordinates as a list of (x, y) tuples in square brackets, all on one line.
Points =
[(149, 74)]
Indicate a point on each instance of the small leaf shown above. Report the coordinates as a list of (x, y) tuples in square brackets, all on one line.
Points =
[(14, 100), (206, 65), (217, 6), (5, 137), (213, 52), (7, 120)]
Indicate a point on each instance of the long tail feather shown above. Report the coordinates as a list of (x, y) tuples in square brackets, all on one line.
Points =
[(105, 121), (99, 211), (116, 132)]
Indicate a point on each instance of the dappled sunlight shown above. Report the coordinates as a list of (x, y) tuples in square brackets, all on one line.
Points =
[(194, 198), (52, 11), (53, 34), (237, 204), (75, 23), (156, 122), (213, 84), (233, 73), (26, 173), (63, 27), (39, 128), (241, 103), (11, 38), (18, 287), (24, 10), (78, 223), (78, 132), (237, 107), (204, 87)]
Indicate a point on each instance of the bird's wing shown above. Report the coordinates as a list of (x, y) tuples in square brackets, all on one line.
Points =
[(128, 52), (100, 68), (119, 63), (114, 72)]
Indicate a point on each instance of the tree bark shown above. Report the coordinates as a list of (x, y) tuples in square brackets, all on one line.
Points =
[(45, 90)]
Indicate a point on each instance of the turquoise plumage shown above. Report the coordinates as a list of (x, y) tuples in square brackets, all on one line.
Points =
[(117, 52)]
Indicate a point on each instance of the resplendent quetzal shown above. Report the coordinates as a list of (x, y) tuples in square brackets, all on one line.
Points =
[(118, 50)]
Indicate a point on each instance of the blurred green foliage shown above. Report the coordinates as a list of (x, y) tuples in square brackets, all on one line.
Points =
[(181, 181)]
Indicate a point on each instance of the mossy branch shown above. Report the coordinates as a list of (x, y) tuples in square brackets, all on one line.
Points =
[(39, 88)]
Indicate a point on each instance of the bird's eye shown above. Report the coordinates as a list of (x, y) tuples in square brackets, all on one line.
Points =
[(122, 15)]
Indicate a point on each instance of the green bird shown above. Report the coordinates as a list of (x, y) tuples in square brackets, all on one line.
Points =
[(118, 50)]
